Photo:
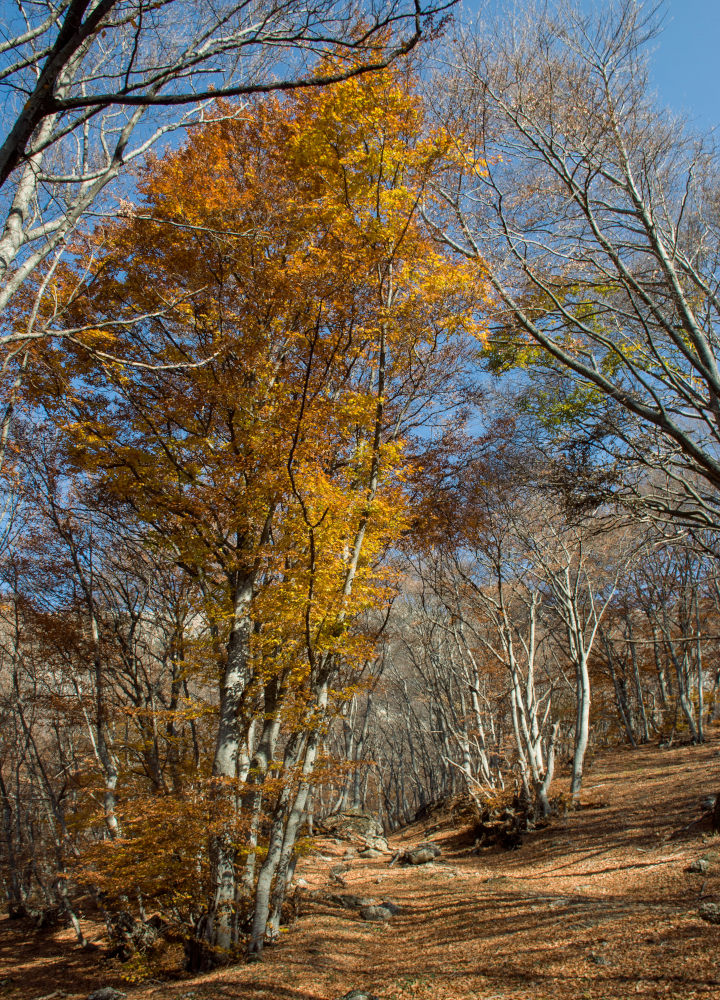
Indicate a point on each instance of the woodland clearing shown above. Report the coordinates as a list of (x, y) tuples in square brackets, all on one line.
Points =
[(598, 905)]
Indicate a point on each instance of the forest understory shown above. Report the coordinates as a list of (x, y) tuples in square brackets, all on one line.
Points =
[(599, 904)]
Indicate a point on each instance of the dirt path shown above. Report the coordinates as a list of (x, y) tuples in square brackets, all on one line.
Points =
[(597, 906)]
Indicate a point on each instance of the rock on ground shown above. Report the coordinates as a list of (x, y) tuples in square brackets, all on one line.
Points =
[(353, 823), (370, 909), (422, 854), (710, 912), (375, 913)]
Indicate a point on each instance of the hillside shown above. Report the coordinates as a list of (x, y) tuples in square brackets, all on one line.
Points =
[(599, 905)]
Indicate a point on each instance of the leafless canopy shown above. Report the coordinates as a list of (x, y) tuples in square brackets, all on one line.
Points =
[(597, 217)]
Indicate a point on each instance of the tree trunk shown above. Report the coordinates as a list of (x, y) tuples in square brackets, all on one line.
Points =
[(274, 850), (716, 814), (219, 925), (582, 729)]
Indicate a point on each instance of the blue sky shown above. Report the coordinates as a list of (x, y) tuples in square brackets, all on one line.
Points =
[(685, 57), (686, 60)]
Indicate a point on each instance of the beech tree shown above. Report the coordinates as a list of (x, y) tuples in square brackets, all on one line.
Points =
[(596, 215), (257, 429), (89, 87)]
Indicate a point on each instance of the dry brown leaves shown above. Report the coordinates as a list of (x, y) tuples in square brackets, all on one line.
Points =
[(597, 906)]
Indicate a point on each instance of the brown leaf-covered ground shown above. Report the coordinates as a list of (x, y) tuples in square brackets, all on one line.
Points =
[(598, 906)]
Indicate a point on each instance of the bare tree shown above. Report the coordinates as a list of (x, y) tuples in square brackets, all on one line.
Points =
[(595, 217), (582, 584)]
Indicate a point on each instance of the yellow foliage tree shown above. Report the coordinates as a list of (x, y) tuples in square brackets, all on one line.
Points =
[(263, 333)]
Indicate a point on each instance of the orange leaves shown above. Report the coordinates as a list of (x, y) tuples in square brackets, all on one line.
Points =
[(161, 844), (261, 337), (280, 306)]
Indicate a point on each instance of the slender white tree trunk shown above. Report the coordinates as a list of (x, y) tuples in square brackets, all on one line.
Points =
[(582, 727), (219, 929)]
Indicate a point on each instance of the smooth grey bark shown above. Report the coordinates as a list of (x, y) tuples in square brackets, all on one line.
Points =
[(582, 727), (699, 669), (275, 872), (683, 697), (286, 861), (257, 772), (219, 925), (357, 795), (82, 563), (292, 756), (542, 790), (638, 687)]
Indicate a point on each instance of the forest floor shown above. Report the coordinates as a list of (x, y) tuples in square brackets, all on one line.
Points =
[(598, 905)]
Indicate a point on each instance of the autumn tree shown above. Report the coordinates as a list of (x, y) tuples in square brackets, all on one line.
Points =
[(88, 88), (256, 427), (94, 673)]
